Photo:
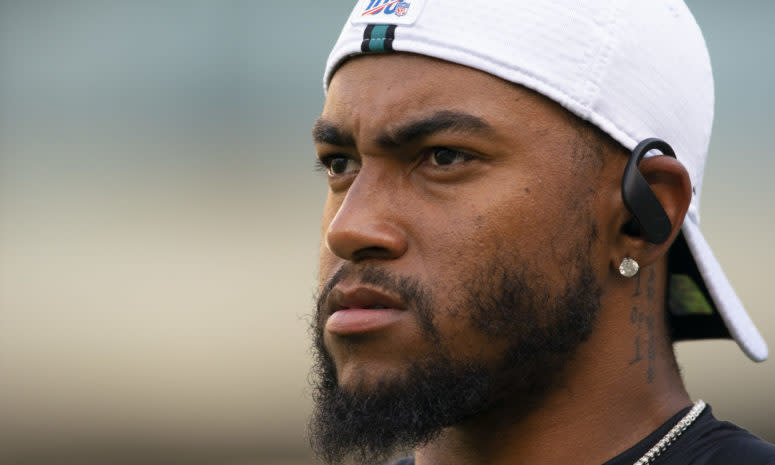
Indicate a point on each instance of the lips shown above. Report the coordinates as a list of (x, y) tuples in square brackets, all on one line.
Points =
[(359, 309)]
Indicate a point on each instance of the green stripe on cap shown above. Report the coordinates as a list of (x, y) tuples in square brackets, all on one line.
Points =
[(685, 298), (378, 38)]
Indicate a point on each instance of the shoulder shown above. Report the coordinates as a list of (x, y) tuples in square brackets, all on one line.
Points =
[(733, 444), (721, 442)]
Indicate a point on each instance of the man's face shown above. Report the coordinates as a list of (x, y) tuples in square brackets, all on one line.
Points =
[(460, 244)]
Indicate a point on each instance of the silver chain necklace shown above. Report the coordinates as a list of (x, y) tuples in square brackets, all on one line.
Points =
[(673, 434)]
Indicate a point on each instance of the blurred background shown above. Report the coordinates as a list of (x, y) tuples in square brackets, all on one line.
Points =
[(159, 220)]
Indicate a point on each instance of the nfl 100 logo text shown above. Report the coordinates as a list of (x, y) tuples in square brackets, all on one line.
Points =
[(385, 7), (397, 12)]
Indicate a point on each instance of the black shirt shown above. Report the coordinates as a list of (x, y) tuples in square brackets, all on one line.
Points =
[(707, 441)]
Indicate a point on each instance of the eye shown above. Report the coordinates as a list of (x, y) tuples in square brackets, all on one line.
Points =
[(445, 156), (337, 165)]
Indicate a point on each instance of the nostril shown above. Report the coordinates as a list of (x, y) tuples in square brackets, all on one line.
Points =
[(366, 253)]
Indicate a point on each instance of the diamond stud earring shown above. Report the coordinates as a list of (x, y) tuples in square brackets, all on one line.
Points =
[(628, 268)]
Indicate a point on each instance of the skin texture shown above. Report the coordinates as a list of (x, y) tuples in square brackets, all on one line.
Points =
[(518, 185)]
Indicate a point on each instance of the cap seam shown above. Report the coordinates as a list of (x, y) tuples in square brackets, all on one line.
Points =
[(604, 54)]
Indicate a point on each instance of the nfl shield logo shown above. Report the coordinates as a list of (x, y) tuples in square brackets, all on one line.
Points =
[(401, 8)]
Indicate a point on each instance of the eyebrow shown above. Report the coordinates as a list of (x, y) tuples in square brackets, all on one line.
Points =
[(327, 132)]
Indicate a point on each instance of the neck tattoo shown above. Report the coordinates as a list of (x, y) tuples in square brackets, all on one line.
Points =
[(673, 434)]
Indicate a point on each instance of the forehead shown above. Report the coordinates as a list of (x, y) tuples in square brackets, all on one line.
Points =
[(379, 89)]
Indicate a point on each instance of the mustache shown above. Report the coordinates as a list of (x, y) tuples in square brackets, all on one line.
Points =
[(412, 292)]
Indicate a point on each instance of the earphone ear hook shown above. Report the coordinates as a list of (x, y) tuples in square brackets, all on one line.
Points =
[(638, 197)]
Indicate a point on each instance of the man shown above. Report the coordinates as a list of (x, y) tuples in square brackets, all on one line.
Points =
[(508, 250)]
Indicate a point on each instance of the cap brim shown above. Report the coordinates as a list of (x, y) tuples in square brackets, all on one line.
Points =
[(725, 300)]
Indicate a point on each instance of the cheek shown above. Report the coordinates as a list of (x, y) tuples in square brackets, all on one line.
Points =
[(478, 237), (454, 247), (461, 238)]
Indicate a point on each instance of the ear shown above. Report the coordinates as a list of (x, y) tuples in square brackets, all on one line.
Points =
[(670, 183)]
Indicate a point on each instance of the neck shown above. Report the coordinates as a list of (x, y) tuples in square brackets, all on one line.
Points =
[(617, 390)]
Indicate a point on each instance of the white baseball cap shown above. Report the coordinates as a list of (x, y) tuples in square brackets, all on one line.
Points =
[(636, 69)]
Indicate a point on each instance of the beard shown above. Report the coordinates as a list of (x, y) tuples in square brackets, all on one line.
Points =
[(540, 329)]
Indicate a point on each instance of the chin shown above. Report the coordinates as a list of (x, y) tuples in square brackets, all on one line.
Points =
[(368, 376)]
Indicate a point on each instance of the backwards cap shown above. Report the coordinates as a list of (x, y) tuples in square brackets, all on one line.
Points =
[(636, 69)]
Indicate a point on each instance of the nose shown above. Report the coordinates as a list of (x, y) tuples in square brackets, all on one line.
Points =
[(367, 224)]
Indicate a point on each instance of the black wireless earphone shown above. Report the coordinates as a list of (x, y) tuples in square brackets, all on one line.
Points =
[(640, 199)]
